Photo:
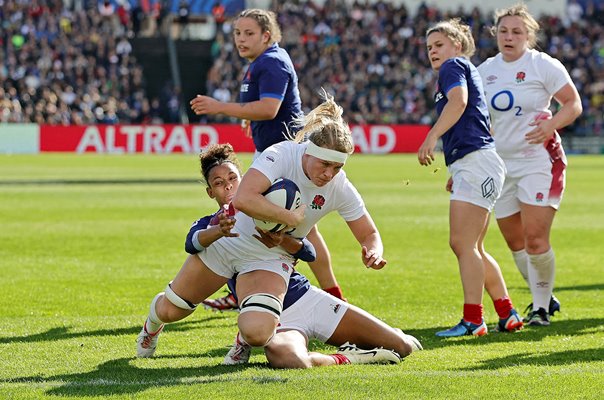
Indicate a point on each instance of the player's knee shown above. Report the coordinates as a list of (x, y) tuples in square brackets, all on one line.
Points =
[(405, 348), (406, 344), (459, 246), (258, 317), (536, 244), (257, 335)]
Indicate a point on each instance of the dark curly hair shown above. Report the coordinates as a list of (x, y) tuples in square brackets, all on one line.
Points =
[(217, 154)]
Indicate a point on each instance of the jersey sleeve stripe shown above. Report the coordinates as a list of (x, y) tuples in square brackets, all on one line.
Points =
[(271, 96)]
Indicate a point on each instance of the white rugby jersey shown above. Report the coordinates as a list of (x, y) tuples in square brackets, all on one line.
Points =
[(517, 93), (284, 160)]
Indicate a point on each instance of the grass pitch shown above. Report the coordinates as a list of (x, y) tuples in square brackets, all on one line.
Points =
[(87, 241)]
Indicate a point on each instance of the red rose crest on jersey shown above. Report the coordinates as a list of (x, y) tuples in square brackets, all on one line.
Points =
[(285, 267), (520, 77), (539, 197), (317, 202)]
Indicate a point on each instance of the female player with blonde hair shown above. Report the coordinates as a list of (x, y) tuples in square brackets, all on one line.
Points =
[(476, 170), (264, 272), (520, 83), (269, 103)]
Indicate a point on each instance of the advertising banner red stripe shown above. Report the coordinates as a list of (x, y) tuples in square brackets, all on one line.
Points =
[(166, 139)]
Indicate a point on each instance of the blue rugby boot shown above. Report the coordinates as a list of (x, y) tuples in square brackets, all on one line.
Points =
[(465, 328), (510, 324)]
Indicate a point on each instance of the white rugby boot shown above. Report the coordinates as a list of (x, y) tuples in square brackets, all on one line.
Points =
[(146, 342), (373, 356), (238, 354)]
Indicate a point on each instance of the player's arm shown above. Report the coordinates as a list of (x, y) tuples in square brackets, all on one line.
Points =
[(264, 109), (207, 230), (249, 199), (366, 233), (457, 100), (569, 99), (301, 249)]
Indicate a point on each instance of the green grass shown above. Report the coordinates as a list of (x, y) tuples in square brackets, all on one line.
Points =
[(80, 261)]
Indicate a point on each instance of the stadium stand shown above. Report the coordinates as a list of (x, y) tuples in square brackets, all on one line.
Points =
[(72, 62)]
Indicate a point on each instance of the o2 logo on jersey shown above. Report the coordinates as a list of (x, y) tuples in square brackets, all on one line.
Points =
[(504, 101)]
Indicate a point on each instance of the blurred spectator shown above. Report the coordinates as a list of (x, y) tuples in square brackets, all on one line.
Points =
[(70, 62), (65, 63), (372, 57)]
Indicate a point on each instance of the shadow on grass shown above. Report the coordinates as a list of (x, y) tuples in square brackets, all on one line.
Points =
[(594, 286), (65, 332), (540, 359), (120, 376), (574, 327), (557, 289)]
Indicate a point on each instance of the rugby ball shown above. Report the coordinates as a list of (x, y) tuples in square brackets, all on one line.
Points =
[(284, 193)]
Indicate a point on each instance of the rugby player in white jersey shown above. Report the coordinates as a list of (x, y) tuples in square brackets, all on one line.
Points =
[(520, 83)]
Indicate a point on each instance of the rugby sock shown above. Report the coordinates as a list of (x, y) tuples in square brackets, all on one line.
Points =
[(522, 261), (239, 340), (340, 359), (153, 323), (472, 313), (503, 306), (335, 291), (542, 269)]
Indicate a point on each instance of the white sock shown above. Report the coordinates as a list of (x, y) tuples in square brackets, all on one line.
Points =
[(542, 269), (153, 323), (522, 261)]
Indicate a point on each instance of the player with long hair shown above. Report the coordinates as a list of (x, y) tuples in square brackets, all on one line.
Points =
[(520, 83), (264, 272), (476, 170), (270, 99)]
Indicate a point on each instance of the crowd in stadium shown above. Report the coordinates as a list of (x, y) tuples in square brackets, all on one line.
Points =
[(71, 63)]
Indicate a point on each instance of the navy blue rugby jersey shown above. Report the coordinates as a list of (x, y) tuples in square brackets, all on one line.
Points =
[(200, 224), (472, 131), (297, 287), (272, 75)]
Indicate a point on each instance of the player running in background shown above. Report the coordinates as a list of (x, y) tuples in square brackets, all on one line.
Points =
[(476, 170), (270, 99), (520, 83)]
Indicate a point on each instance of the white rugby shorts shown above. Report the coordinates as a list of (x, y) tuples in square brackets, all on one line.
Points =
[(478, 178), (532, 182), (225, 259), (316, 315)]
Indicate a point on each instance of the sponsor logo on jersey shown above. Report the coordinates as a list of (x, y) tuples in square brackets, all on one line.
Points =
[(491, 79), (317, 202), (335, 308), (520, 76), (539, 197), (270, 158), (438, 97), (245, 87)]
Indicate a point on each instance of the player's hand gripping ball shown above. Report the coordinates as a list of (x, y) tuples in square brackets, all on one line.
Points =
[(284, 193)]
